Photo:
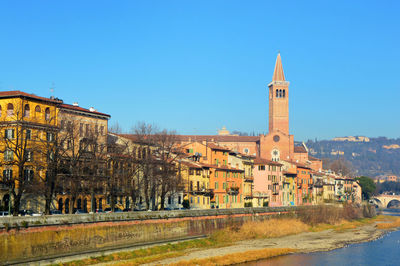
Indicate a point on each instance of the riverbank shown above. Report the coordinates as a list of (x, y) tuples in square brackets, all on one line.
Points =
[(329, 228), (299, 243)]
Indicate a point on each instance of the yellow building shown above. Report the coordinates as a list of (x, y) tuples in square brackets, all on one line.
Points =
[(28, 124), (196, 177), (34, 130), (84, 134)]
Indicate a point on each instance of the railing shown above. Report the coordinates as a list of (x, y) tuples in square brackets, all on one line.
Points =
[(203, 191), (233, 191), (249, 179)]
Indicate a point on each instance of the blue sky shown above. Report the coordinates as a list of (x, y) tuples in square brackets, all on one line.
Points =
[(194, 66)]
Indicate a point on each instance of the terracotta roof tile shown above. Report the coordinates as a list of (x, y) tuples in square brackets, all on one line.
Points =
[(217, 147), (7, 94), (299, 149), (259, 160), (218, 138), (80, 109)]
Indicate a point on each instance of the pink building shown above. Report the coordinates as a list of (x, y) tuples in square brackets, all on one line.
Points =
[(267, 182)]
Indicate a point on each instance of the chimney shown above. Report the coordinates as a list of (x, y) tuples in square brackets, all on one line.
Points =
[(75, 104), (91, 109)]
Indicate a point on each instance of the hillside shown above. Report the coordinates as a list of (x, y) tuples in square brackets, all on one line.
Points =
[(369, 156)]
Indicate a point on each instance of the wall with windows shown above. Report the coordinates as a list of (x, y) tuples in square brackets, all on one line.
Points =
[(26, 127)]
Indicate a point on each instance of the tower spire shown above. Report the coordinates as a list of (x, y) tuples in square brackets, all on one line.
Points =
[(278, 71)]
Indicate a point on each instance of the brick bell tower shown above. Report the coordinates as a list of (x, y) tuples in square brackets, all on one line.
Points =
[(279, 100)]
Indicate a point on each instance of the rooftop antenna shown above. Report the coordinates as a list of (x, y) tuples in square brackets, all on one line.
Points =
[(52, 90)]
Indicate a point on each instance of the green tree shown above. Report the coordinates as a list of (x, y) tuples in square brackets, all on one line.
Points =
[(367, 185)]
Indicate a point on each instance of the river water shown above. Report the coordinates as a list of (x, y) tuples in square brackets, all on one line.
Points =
[(383, 251)]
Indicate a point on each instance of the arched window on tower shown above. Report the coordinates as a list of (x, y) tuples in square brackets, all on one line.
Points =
[(277, 93), (283, 95), (280, 93)]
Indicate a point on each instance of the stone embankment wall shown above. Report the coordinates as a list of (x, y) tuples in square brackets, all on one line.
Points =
[(24, 238)]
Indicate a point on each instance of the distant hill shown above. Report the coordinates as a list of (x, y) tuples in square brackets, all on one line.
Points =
[(369, 156)]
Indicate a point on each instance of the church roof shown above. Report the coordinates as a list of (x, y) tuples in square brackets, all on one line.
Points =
[(217, 138), (300, 149), (278, 71)]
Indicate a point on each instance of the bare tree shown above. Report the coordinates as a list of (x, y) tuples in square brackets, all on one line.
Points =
[(341, 166), (19, 136), (166, 168), (144, 141)]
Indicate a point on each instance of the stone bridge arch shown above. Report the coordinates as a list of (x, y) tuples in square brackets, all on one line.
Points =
[(383, 200)]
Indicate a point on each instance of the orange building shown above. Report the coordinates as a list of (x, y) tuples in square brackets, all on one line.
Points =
[(225, 181)]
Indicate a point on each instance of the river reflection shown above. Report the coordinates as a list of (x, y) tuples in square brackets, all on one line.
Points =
[(383, 251)]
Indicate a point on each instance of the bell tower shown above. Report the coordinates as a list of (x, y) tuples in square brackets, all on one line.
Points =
[(278, 100)]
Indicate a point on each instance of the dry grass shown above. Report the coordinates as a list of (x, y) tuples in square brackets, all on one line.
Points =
[(393, 223), (241, 257), (264, 229)]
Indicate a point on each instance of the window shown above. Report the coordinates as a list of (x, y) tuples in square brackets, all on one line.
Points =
[(191, 171), (198, 172), (277, 93), (216, 173), (101, 130), (246, 150), (283, 95), (87, 130), (26, 110), (224, 185), (10, 109), (37, 110), (47, 114), (7, 175), (49, 136), (224, 162), (62, 124), (9, 133), (28, 175), (8, 155), (96, 129), (28, 156), (261, 167), (28, 134), (216, 185), (80, 129)]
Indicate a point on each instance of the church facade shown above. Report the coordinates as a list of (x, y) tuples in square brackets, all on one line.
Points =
[(278, 144)]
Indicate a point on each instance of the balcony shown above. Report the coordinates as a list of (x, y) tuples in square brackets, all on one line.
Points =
[(275, 192), (233, 191), (275, 182), (248, 195), (249, 179), (202, 191)]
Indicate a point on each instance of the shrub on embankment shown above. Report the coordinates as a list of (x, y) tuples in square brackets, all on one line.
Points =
[(334, 214)]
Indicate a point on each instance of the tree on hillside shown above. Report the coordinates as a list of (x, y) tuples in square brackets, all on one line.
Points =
[(367, 185), (339, 166)]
